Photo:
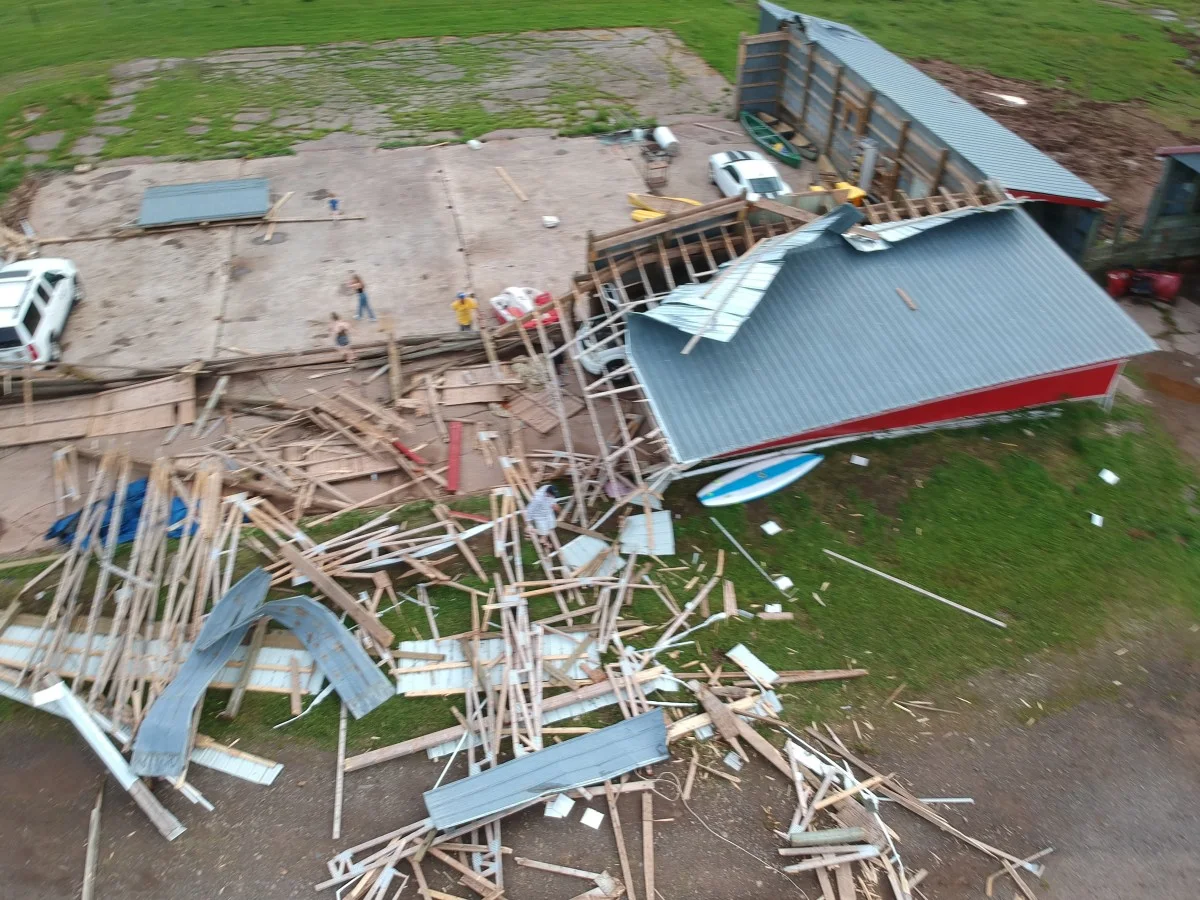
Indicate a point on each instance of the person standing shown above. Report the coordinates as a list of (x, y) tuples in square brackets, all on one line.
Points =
[(542, 510), (360, 292), (335, 206), (340, 330), (464, 307)]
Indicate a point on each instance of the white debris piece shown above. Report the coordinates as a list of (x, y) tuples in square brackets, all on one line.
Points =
[(751, 664), (1097, 520), (550, 221), (772, 528), (1109, 476), (559, 807), (859, 460), (782, 582), (733, 761), (635, 540), (592, 818), (773, 608)]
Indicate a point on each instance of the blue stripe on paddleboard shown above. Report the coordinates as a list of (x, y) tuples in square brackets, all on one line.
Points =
[(750, 479)]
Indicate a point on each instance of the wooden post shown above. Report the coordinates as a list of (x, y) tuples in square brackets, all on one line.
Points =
[(833, 102), (648, 842), (939, 171), (394, 379), (808, 68), (866, 115), (737, 91)]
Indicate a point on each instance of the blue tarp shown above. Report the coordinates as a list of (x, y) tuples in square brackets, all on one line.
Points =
[(131, 512)]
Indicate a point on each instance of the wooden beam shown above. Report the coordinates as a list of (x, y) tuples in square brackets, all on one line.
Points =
[(338, 595), (808, 68), (865, 116), (648, 842), (782, 209), (833, 102), (615, 816), (940, 170)]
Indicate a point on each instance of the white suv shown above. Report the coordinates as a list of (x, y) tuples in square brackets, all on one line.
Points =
[(36, 296)]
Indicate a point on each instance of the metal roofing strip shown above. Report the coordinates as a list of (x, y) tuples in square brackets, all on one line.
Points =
[(555, 647), (272, 668), (160, 747), (717, 309), (211, 755), (582, 707), (588, 759), (998, 302), (206, 201), (975, 136)]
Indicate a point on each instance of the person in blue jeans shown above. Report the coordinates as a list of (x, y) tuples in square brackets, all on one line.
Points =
[(360, 291)]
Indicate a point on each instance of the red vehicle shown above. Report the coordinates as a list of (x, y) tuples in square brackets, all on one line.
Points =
[(1162, 286), (514, 302)]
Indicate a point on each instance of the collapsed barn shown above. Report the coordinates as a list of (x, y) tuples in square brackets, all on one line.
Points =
[(893, 130)]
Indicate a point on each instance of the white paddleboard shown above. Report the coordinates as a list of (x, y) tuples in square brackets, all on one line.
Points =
[(757, 479)]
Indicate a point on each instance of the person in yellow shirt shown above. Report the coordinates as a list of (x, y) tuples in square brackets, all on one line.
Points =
[(464, 307)]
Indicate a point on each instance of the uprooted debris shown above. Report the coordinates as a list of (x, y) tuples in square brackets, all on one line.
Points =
[(127, 645)]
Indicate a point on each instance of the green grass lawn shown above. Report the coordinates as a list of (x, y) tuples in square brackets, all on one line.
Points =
[(997, 520), (48, 48)]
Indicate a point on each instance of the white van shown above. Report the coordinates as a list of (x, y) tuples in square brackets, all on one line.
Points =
[(36, 296)]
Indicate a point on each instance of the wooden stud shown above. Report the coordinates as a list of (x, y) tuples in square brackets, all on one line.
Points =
[(648, 842), (940, 170), (516, 188), (339, 776)]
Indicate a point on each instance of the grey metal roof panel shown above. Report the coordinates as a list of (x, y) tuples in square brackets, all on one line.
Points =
[(998, 301), (972, 134), (204, 201), (588, 759), (161, 745)]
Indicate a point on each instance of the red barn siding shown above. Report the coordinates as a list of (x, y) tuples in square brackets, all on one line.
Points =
[(1076, 384)]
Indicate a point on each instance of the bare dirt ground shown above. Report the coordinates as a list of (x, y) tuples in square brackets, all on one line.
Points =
[(1095, 754), (1110, 145)]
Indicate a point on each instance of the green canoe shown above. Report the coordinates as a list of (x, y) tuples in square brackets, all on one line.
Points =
[(775, 143)]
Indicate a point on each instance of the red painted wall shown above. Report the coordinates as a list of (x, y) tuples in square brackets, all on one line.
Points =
[(1076, 384)]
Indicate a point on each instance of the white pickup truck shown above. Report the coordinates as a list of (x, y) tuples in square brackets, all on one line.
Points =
[(36, 297)]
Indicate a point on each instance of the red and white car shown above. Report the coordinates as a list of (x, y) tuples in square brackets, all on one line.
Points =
[(514, 302)]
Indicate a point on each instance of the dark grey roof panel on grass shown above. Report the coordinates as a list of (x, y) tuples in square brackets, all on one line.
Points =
[(204, 201), (831, 341), (588, 759), (975, 136)]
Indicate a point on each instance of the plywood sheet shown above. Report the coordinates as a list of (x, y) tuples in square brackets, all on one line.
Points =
[(155, 404), (537, 409)]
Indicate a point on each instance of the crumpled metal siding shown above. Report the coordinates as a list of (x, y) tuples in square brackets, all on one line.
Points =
[(588, 759), (998, 301), (744, 282), (204, 201), (975, 136), (161, 745)]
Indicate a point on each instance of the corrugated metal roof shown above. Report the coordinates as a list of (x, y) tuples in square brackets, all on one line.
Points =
[(972, 134), (717, 309), (204, 201), (998, 301), (588, 759)]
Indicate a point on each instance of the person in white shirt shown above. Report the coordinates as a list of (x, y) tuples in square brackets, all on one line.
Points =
[(542, 511)]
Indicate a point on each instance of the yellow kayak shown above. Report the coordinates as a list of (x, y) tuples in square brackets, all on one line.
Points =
[(651, 206), (854, 194)]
